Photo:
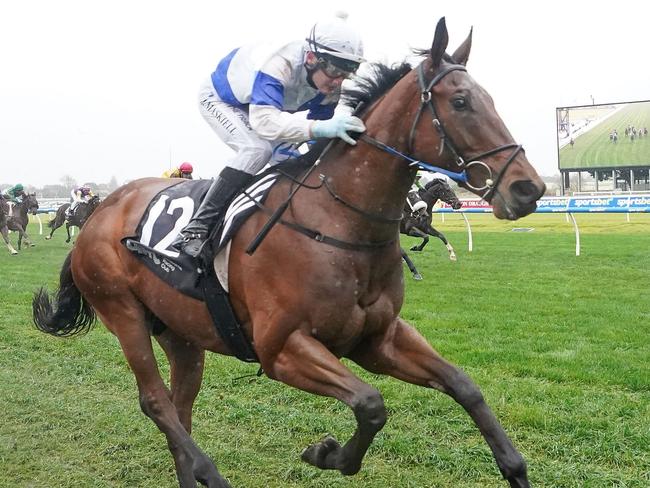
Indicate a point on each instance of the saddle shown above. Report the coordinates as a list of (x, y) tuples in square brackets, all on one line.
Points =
[(415, 204), (166, 215)]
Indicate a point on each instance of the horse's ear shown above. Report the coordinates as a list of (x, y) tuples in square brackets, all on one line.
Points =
[(440, 41), (462, 53)]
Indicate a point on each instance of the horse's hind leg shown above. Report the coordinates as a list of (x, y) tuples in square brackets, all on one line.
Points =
[(305, 363), (415, 232), (403, 353), (186, 372), (125, 318), (416, 274)]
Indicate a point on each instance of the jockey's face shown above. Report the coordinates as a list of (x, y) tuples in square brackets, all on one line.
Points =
[(324, 83)]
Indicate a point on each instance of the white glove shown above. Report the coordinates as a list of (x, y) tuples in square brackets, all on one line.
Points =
[(338, 126)]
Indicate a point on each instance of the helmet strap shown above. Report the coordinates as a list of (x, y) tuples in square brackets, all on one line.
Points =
[(311, 68)]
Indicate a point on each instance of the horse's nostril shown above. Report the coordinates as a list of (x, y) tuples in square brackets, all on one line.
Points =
[(526, 191)]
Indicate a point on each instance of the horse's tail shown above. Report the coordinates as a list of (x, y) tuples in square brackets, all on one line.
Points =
[(72, 315), (58, 219)]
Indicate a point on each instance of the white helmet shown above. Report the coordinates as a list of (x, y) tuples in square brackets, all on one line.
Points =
[(337, 42)]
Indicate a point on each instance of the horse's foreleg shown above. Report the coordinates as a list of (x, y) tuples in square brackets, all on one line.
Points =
[(28, 240), (415, 232), (436, 233), (186, 371), (306, 364), (5, 235), (125, 318), (405, 354), (67, 229)]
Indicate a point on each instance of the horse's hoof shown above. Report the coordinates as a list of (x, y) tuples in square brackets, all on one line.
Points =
[(32, 245), (452, 257), (320, 454), (13, 253), (519, 482), (47, 238), (415, 248), (417, 277)]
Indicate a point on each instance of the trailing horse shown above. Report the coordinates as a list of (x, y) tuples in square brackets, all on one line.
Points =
[(4, 230), (20, 218), (83, 211), (420, 225), (307, 299)]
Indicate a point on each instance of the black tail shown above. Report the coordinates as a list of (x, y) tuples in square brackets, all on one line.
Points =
[(73, 314), (58, 219)]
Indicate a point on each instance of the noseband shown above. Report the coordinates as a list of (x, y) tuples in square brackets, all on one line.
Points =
[(464, 164)]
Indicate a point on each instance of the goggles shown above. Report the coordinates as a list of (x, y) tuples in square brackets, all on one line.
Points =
[(333, 69)]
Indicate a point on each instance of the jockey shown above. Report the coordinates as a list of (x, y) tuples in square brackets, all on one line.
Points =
[(82, 194), (258, 98), (415, 203), (15, 194), (184, 170)]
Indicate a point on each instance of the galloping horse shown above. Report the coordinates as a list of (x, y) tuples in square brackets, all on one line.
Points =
[(420, 225), (20, 218), (4, 230), (78, 218), (303, 301)]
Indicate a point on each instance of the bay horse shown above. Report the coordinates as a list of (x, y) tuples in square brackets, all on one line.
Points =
[(78, 218), (4, 230), (306, 302), (20, 218), (420, 225)]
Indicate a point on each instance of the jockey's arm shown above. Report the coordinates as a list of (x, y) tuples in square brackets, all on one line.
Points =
[(266, 114)]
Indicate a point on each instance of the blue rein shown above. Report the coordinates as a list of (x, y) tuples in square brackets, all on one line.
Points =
[(462, 176)]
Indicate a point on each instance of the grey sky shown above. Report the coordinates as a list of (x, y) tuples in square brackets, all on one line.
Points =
[(95, 89)]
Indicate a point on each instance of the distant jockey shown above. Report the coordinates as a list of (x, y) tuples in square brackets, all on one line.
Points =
[(81, 194), (184, 170), (15, 194), (260, 96)]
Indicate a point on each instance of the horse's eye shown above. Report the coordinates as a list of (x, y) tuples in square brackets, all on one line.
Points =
[(459, 103)]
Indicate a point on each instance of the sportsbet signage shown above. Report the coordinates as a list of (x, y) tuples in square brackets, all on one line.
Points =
[(621, 204)]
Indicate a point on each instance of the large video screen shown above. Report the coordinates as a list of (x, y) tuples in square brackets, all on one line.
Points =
[(611, 135)]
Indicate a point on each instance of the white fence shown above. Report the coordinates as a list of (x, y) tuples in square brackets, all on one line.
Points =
[(569, 205)]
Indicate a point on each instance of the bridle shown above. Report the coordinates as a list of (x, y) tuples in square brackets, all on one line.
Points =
[(464, 164)]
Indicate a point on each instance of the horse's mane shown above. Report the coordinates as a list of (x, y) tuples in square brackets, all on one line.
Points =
[(374, 84), (367, 89)]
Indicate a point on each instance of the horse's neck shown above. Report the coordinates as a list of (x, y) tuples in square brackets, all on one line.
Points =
[(20, 210), (429, 196), (375, 178)]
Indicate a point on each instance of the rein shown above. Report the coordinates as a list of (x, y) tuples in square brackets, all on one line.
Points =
[(319, 237)]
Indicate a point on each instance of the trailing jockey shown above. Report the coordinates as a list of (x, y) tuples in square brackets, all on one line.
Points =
[(184, 170), (81, 194)]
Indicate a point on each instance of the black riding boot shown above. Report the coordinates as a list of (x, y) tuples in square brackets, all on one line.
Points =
[(223, 189)]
